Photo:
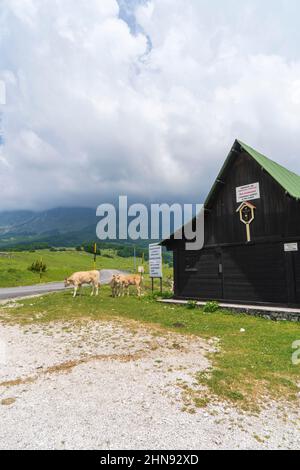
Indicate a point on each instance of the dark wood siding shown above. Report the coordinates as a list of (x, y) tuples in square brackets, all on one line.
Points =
[(231, 269), (277, 216), (296, 272), (255, 273), (199, 274)]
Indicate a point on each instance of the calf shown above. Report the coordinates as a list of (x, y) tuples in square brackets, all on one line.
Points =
[(85, 277), (123, 282), (115, 285)]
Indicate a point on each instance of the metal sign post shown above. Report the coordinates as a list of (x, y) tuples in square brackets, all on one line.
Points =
[(41, 269), (155, 264), (134, 259), (95, 255)]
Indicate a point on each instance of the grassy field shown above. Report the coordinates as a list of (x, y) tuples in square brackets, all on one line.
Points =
[(14, 266), (248, 365)]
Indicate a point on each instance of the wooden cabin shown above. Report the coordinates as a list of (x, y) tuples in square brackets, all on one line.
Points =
[(252, 236)]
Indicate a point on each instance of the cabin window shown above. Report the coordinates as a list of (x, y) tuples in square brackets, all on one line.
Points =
[(191, 264)]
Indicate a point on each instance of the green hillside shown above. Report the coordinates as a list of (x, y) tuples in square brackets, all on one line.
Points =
[(14, 266)]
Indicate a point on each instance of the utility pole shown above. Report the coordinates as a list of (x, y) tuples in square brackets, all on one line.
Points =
[(41, 269), (134, 257), (95, 255)]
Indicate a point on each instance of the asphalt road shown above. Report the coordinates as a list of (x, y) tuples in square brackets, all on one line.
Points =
[(27, 291)]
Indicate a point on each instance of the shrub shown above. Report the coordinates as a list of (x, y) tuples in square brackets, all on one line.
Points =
[(159, 295), (167, 295), (211, 307), (191, 304), (89, 248), (38, 266)]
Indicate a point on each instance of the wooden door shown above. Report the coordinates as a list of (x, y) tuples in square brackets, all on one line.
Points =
[(200, 275), (256, 273)]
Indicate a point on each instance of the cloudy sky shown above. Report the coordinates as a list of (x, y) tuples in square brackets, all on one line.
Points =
[(140, 97)]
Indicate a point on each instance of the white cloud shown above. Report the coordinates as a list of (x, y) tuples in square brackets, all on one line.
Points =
[(2, 92), (93, 113)]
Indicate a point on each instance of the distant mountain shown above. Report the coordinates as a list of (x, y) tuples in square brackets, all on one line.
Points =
[(11, 218), (56, 226)]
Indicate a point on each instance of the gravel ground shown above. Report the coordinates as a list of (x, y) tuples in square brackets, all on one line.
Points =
[(117, 385)]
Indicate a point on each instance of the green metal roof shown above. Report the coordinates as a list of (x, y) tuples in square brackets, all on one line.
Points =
[(286, 178)]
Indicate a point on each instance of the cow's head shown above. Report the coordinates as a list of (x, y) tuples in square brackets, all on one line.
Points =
[(67, 282)]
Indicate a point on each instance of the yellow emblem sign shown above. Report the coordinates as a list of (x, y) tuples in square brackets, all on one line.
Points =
[(247, 215)]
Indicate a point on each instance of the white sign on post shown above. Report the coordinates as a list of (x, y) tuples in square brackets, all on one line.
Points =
[(248, 192), (290, 247), (155, 261)]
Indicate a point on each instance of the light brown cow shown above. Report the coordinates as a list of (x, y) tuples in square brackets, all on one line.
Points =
[(121, 283), (115, 285), (85, 277)]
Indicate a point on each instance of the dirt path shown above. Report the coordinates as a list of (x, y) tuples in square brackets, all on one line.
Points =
[(117, 385)]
